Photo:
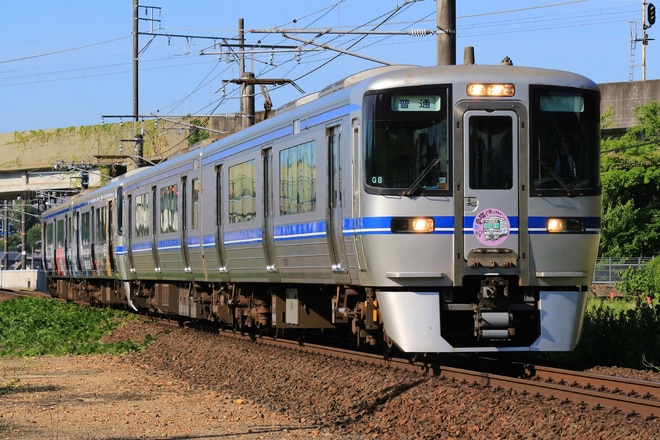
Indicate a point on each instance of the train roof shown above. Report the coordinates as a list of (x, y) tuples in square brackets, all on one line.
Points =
[(341, 84), (372, 79), (381, 77)]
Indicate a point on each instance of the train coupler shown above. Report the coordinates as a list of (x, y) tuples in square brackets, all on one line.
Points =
[(493, 325)]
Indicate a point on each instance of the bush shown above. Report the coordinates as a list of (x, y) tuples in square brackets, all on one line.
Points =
[(641, 282), (617, 333), (622, 332), (32, 326)]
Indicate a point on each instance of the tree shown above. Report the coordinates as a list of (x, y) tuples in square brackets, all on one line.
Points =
[(32, 226), (630, 173), (33, 238), (196, 133)]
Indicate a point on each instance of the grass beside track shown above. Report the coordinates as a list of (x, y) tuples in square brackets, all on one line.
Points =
[(31, 326)]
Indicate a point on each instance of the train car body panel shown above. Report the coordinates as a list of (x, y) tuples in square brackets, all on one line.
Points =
[(310, 243), (211, 224), (246, 244), (192, 223), (419, 327)]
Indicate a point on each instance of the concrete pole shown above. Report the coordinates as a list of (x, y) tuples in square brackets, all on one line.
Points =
[(446, 32), (247, 99), (136, 53), (5, 260), (241, 73), (23, 232), (645, 40)]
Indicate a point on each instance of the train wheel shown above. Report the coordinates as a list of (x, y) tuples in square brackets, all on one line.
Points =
[(387, 345)]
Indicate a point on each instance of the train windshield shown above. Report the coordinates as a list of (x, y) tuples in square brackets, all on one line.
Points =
[(565, 140), (406, 143)]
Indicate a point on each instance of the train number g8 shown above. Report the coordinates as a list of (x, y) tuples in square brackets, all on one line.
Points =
[(377, 180)]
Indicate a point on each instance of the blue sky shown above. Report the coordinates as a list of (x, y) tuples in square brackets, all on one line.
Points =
[(68, 63)]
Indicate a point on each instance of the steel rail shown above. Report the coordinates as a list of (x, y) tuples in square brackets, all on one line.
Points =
[(598, 391)]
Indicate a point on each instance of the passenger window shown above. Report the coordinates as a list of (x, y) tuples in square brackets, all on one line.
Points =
[(142, 215), (85, 229), (491, 152), (242, 192), (169, 199), (100, 225), (196, 189), (298, 179)]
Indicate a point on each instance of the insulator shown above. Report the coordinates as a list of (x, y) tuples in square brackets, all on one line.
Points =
[(419, 32)]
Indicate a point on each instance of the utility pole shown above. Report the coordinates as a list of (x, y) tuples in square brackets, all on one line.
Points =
[(136, 54), (23, 232), (138, 138), (247, 88), (446, 32), (5, 260), (647, 22), (137, 147), (247, 81)]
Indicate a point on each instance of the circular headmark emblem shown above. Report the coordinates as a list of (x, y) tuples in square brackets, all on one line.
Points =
[(491, 227)]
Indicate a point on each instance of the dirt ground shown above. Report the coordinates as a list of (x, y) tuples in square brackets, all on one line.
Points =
[(192, 385), (116, 397), (107, 397)]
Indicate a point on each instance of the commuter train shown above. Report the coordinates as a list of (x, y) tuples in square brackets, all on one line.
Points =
[(432, 209)]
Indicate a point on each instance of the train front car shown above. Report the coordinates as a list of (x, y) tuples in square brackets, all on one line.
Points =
[(480, 206)]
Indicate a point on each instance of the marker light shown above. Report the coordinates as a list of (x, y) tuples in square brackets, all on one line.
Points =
[(413, 224), (562, 225), (490, 89)]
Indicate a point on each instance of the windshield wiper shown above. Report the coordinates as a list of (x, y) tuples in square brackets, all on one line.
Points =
[(417, 183), (558, 178)]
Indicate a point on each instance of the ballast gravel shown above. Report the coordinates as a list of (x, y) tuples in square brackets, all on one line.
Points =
[(193, 385)]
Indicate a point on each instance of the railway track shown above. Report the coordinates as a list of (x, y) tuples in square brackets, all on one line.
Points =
[(631, 396)]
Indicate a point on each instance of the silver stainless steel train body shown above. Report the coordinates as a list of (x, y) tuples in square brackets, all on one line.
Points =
[(439, 209)]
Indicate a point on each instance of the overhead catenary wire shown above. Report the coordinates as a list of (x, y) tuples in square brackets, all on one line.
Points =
[(618, 14), (199, 94)]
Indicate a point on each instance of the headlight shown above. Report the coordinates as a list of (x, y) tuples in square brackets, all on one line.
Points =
[(491, 89), (413, 224), (556, 225)]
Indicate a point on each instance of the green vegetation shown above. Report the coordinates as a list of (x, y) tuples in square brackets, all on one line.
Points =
[(626, 332), (630, 173), (643, 282), (196, 132), (619, 332), (32, 326), (32, 227)]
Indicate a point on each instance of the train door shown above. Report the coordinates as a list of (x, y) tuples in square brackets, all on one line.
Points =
[(268, 239), (86, 242), (197, 251), (129, 232), (491, 204), (110, 242), (100, 240), (48, 246), (184, 225), (219, 242), (60, 250), (76, 248), (154, 229), (119, 240), (335, 219), (71, 244)]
